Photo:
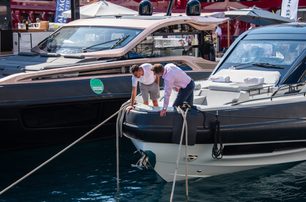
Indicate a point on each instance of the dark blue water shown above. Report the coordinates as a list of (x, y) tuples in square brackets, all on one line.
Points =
[(87, 172)]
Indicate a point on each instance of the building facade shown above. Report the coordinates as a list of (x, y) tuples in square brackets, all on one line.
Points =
[(34, 10)]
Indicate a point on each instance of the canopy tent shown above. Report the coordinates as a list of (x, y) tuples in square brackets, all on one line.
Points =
[(223, 6), (211, 14), (209, 21), (127, 3), (256, 16), (101, 8)]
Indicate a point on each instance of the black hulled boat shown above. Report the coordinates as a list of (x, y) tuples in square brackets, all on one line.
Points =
[(250, 113)]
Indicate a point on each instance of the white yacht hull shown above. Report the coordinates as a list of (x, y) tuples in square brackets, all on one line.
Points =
[(203, 165)]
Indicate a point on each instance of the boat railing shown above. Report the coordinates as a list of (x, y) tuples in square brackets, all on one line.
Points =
[(282, 91), (261, 90), (98, 69), (289, 89)]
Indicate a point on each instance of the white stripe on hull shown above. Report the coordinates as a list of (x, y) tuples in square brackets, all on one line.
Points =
[(205, 165)]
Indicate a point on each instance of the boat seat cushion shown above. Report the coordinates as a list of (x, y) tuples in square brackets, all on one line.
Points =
[(242, 75), (234, 87)]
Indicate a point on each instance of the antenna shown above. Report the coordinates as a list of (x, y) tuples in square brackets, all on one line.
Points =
[(169, 9)]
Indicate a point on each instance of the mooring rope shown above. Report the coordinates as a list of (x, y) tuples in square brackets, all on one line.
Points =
[(119, 123), (59, 153), (186, 158), (217, 150), (184, 129), (120, 118)]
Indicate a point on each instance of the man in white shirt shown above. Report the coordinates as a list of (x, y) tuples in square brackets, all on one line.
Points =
[(148, 84), (177, 79), (218, 32)]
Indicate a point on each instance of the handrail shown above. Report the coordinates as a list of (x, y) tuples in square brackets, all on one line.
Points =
[(274, 95), (189, 60)]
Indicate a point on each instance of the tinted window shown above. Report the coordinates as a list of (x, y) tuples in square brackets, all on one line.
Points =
[(87, 39), (174, 40), (279, 53)]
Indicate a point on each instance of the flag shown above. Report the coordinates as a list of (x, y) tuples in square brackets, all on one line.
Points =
[(289, 9), (61, 6)]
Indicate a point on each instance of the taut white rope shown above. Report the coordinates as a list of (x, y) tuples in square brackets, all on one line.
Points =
[(184, 129), (120, 119), (186, 156), (59, 153)]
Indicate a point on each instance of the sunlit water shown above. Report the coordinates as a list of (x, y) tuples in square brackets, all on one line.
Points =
[(87, 172)]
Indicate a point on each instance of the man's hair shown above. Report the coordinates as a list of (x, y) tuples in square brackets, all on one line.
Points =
[(134, 69), (158, 68)]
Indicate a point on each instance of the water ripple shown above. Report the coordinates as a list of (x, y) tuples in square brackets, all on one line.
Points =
[(88, 173)]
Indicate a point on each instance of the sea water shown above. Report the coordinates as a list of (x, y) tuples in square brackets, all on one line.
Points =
[(87, 172)]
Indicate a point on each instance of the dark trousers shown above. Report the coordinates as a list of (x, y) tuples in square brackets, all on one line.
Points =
[(185, 95)]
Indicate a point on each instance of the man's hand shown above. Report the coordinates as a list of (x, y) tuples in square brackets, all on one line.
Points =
[(129, 108), (163, 112), (176, 89)]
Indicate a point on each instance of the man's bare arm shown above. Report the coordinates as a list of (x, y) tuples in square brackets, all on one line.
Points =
[(133, 95)]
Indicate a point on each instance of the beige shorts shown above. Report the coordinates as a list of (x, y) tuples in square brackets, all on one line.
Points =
[(152, 90)]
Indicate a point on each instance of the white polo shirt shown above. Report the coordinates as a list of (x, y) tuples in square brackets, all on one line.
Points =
[(148, 75)]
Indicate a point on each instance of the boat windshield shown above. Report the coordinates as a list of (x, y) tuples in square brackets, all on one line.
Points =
[(70, 40), (273, 55)]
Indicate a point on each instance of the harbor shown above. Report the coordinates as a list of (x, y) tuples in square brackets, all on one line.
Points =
[(88, 173), (106, 103)]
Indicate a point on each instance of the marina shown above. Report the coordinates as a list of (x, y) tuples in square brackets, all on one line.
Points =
[(226, 122), (51, 91), (87, 173)]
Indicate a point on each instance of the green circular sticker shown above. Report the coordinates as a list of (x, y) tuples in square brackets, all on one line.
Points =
[(96, 86)]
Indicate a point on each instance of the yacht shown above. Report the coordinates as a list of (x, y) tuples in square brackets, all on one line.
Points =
[(79, 75), (110, 38), (248, 114)]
